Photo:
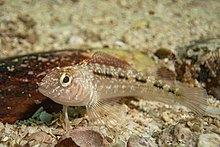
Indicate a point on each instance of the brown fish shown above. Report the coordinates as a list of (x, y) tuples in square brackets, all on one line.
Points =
[(99, 82)]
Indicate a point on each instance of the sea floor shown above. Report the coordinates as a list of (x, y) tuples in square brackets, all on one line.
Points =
[(31, 26)]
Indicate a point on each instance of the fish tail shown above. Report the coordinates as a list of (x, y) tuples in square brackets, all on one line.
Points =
[(193, 98)]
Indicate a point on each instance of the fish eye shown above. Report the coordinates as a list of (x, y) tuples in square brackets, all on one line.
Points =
[(65, 79)]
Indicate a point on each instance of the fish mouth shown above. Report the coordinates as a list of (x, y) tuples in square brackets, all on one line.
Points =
[(52, 97), (43, 91), (63, 100), (46, 92)]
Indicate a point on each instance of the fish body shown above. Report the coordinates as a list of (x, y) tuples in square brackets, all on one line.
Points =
[(98, 83)]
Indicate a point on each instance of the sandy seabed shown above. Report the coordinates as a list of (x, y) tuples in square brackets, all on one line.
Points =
[(30, 26)]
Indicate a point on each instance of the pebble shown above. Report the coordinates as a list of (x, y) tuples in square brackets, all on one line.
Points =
[(76, 40), (183, 134), (5, 138), (136, 141), (1, 126), (119, 143), (166, 117), (209, 140), (177, 135), (40, 137), (119, 43), (85, 137)]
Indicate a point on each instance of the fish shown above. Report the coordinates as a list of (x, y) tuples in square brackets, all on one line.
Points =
[(99, 82)]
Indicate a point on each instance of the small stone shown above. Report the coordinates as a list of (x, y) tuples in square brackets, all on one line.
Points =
[(77, 121), (119, 43), (68, 142), (166, 117), (85, 137), (32, 37), (76, 40), (212, 140), (176, 135), (196, 128), (40, 137), (5, 138), (164, 53), (182, 134), (195, 125), (136, 141), (119, 143), (1, 126)]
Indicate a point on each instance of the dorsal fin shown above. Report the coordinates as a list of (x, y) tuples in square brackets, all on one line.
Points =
[(106, 59)]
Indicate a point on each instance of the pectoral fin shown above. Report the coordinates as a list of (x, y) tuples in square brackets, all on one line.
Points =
[(106, 112)]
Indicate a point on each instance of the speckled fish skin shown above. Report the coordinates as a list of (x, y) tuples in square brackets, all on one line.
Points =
[(75, 94), (93, 84)]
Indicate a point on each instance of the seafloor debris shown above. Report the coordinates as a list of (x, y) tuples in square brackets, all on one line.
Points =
[(68, 142), (176, 135), (201, 62), (196, 63), (136, 141), (211, 139), (40, 137), (196, 51), (84, 137)]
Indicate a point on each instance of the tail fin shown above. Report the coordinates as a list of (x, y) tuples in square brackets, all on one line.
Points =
[(194, 98)]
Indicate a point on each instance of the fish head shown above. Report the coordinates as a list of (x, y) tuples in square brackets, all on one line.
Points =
[(66, 86)]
